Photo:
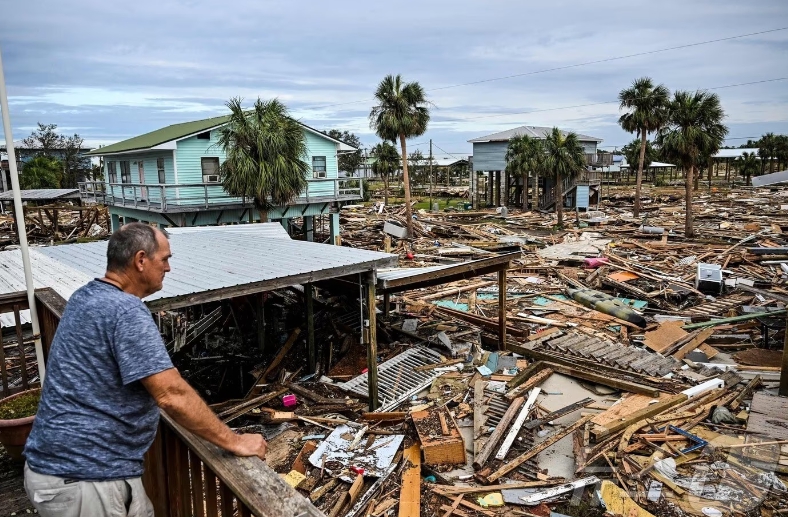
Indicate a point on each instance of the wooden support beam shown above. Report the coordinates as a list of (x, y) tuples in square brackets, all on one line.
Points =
[(410, 491), (502, 309), (537, 379), (283, 352), (498, 433), (372, 345), (309, 295), (527, 455)]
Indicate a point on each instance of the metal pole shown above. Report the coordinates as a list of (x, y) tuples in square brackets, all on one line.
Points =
[(784, 369), (430, 207), (20, 222)]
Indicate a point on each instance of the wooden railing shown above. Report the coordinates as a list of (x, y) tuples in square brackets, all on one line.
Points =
[(18, 365), (184, 475)]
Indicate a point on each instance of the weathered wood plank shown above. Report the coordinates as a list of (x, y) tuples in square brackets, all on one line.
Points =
[(410, 492)]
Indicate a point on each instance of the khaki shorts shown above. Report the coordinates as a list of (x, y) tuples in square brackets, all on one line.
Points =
[(53, 496)]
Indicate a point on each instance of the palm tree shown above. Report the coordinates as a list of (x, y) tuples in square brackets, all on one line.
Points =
[(766, 149), (781, 150), (694, 132), (564, 159), (385, 165), (41, 172), (747, 165), (524, 155), (402, 112), (632, 153), (647, 105), (265, 151)]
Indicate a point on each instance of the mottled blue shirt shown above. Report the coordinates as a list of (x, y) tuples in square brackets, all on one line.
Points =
[(96, 420)]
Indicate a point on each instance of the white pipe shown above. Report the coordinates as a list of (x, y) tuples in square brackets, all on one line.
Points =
[(704, 387), (19, 215)]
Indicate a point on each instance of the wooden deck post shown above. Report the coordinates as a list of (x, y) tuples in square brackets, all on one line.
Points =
[(784, 372), (386, 304), (372, 344), (309, 293), (261, 321), (502, 309)]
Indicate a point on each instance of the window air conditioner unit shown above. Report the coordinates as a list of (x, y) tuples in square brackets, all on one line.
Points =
[(213, 179)]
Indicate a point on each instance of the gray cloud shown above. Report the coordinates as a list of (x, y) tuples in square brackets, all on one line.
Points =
[(112, 70)]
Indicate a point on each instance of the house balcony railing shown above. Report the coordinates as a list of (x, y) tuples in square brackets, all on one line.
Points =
[(189, 197), (599, 160)]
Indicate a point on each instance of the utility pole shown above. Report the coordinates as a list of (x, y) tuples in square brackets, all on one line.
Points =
[(430, 174), (19, 215)]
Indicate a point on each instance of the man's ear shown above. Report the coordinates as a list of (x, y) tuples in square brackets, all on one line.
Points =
[(139, 259)]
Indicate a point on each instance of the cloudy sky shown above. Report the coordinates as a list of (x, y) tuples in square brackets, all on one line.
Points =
[(112, 70)]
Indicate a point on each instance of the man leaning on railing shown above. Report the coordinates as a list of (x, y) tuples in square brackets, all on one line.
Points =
[(107, 371)]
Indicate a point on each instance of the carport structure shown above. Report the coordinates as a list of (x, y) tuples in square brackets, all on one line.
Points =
[(406, 279)]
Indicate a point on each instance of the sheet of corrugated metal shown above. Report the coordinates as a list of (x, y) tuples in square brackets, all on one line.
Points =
[(44, 193), (268, 230), (406, 272), (201, 261)]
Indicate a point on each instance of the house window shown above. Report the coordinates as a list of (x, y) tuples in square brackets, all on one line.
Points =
[(125, 172), (204, 136), (160, 169), (319, 166), (210, 170), (112, 172)]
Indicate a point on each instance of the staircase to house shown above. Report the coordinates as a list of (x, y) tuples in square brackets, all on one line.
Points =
[(547, 198)]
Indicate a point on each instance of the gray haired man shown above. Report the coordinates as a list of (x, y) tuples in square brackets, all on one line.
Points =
[(107, 372)]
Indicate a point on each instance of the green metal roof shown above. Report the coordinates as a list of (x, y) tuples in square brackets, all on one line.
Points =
[(160, 136)]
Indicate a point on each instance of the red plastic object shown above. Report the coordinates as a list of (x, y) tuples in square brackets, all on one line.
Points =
[(365, 370), (357, 470), (289, 400), (410, 256)]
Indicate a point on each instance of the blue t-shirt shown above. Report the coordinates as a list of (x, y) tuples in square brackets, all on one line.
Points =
[(96, 420)]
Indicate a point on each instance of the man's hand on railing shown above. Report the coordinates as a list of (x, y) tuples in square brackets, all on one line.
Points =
[(250, 445)]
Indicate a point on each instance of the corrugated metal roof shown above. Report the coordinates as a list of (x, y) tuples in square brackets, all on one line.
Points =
[(387, 275), (770, 179), (44, 193), (735, 153), (202, 261), (267, 230), (532, 131)]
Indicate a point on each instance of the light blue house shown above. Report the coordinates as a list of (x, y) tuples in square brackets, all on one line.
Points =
[(489, 162), (171, 177)]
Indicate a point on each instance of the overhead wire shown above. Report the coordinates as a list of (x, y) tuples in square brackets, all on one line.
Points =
[(575, 65)]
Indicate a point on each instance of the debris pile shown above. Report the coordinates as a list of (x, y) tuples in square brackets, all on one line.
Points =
[(638, 376)]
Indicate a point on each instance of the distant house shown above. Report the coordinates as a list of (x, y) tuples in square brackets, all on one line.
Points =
[(171, 177), (24, 154), (489, 163)]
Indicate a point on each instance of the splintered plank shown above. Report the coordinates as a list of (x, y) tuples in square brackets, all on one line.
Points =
[(410, 492)]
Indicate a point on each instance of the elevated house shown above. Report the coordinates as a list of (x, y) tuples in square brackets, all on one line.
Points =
[(25, 153), (489, 161), (171, 177)]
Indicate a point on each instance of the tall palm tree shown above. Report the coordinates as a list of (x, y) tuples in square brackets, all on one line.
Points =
[(747, 165), (781, 150), (564, 159), (694, 132), (647, 105), (402, 112), (266, 151), (385, 165), (524, 155)]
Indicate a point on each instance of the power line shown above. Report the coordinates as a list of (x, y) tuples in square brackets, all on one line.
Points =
[(576, 65), (614, 102)]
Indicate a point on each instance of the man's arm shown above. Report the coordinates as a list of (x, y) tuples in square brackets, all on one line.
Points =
[(187, 408)]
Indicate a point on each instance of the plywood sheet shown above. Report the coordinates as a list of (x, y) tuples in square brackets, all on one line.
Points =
[(666, 334), (630, 403), (769, 415)]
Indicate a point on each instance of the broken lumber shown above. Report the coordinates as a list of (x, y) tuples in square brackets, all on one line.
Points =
[(527, 455), (282, 353), (533, 424), (500, 430), (692, 344), (439, 450), (601, 432), (518, 424), (537, 379)]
